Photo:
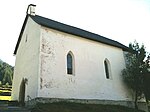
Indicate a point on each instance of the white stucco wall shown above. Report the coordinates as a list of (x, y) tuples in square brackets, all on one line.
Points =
[(89, 80), (27, 61)]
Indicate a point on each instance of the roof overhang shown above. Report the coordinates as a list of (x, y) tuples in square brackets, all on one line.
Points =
[(70, 30)]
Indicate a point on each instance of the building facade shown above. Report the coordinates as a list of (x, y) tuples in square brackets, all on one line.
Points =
[(54, 60)]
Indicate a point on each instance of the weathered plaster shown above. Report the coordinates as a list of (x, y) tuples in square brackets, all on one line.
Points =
[(89, 80)]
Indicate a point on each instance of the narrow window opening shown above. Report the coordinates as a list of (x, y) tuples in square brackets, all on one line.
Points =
[(69, 63), (107, 69), (26, 38)]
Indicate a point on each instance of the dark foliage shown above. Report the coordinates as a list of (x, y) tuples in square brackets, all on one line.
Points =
[(6, 73), (137, 64)]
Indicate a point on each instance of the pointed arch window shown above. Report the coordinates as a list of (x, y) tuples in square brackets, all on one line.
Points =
[(70, 63), (107, 69)]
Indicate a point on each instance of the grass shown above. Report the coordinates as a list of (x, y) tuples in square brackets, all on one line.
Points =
[(5, 93), (77, 107), (5, 98)]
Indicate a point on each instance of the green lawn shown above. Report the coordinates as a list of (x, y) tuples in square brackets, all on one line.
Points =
[(77, 107), (5, 93), (5, 98)]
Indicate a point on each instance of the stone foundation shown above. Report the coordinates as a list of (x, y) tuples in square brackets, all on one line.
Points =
[(130, 104)]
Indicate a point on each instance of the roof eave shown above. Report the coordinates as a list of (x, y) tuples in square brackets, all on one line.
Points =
[(20, 35), (123, 47), (76, 31), (88, 35)]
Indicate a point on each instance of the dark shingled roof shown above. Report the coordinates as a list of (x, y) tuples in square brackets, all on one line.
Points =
[(71, 30)]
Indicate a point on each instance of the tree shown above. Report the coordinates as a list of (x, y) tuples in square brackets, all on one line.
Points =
[(147, 80), (137, 64), (146, 87), (6, 73)]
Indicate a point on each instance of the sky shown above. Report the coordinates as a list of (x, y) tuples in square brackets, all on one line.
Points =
[(121, 20)]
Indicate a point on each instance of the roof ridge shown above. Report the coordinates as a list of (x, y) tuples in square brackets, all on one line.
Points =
[(74, 27), (76, 31), (70, 30)]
